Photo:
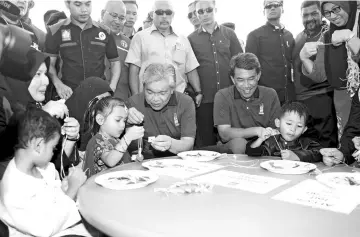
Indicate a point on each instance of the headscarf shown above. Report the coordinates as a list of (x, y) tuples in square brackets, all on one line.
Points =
[(336, 57)]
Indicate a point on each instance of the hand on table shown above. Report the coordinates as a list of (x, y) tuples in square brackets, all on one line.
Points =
[(289, 155), (162, 143), (332, 156)]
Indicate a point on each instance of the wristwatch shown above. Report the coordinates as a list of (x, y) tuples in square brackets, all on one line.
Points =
[(74, 139), (198, 93)]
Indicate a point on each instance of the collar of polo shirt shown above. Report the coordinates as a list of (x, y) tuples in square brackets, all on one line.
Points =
[(202, 29), (153, 28), (237, 95), (276, 27), (172, 102), (88, 25)]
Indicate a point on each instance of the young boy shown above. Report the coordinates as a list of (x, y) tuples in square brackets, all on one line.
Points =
[(33, 200), (289, 144)]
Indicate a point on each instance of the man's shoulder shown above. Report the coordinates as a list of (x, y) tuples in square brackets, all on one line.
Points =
[(102, 26), (56, 27), (258, 30), (267, 92), (183, 99), (225, 93)]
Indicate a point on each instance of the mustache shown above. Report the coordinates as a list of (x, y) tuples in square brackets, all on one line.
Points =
[(311, 21)]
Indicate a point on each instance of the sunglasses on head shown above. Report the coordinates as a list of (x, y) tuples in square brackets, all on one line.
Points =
[(160, 12), (191, 14), (208, 10), (335, 10), (274, 5)]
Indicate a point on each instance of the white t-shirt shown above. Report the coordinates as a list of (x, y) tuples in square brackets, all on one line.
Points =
[(34, 206)]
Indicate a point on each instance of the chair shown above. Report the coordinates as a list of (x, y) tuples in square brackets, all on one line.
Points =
[(4, 230)]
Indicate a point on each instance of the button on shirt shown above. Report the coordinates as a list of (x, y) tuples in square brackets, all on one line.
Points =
[(273, 47), (83, 51), (214, 51), (260, 110), (150, 46), (123, 44)]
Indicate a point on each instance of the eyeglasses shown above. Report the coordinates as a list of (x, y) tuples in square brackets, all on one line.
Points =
[(274, 5), (160, 12), (191, 14), (335, 10), (208, 10), (116, 16)]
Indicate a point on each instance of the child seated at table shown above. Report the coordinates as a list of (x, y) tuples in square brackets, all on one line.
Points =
[(33, 201), (290, 144), (106, 122)]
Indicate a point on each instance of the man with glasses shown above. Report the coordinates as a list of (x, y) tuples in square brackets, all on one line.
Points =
[(82, 45), (131, 18), (213, 45), (192, 16), (273, 45), (113, 16), (161, 44), (311, 85)]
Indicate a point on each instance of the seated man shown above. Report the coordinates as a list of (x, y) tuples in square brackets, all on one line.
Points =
[(168, 116), (243, 111)]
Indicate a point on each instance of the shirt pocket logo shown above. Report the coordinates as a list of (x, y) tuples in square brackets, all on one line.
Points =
[(176, 121), (102, 36), (66, 35)]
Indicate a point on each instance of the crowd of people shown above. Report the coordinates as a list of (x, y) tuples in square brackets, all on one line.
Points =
[(97, 91)]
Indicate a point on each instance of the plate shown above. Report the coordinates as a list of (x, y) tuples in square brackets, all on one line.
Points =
[(201, 156), (340, 179), (164, 164), (287, 166), (126, 179)]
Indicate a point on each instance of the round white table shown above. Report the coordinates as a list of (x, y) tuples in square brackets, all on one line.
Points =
[(221, 212)]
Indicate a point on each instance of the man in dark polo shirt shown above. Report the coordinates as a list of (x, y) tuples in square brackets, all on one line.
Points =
[(273, 45), (245, 110), (113, 16), (213, 45), (168, 115), (82, 44)]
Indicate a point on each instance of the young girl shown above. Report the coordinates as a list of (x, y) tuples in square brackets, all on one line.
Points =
[(106, 122), (33, 200)]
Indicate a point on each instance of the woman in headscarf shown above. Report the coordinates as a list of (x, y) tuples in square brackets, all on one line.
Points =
[(80, 100), (23, 95), (344, 29)]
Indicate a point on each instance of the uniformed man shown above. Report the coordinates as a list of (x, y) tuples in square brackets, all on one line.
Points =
[(82, 44), (131, 18), (113, 16), (168, 116)]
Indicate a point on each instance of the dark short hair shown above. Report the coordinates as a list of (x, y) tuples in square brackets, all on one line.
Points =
[(131, 2), (306, 4), (295, 107), (247, 61), (36, 123)]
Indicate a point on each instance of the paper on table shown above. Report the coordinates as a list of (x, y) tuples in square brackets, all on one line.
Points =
[(246, 182), (314, 194)]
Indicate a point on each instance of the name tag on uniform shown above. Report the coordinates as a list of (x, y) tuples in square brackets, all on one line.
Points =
[(261, 109), (176, 121), (66, 35)]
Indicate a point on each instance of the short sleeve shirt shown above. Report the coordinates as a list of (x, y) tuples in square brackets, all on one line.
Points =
[(122, 44), (176, 120), (150, 46), (214, 51), (260, 110), (82, 51)]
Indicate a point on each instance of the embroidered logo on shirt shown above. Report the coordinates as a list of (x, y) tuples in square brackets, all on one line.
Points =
[(176, 121), (261, 110), (66, 35), (123, 44), (102, 36)]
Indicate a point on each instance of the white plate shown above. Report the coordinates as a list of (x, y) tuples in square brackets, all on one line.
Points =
[(201, 156), (340, 179), (287, 166), (164, 164), (126, 179)]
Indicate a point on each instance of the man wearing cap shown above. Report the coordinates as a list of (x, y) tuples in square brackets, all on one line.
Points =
[(131, 18), (82, 44), (213, 45), (113, 16), (273, 45), (161, 44), (192, 16)]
